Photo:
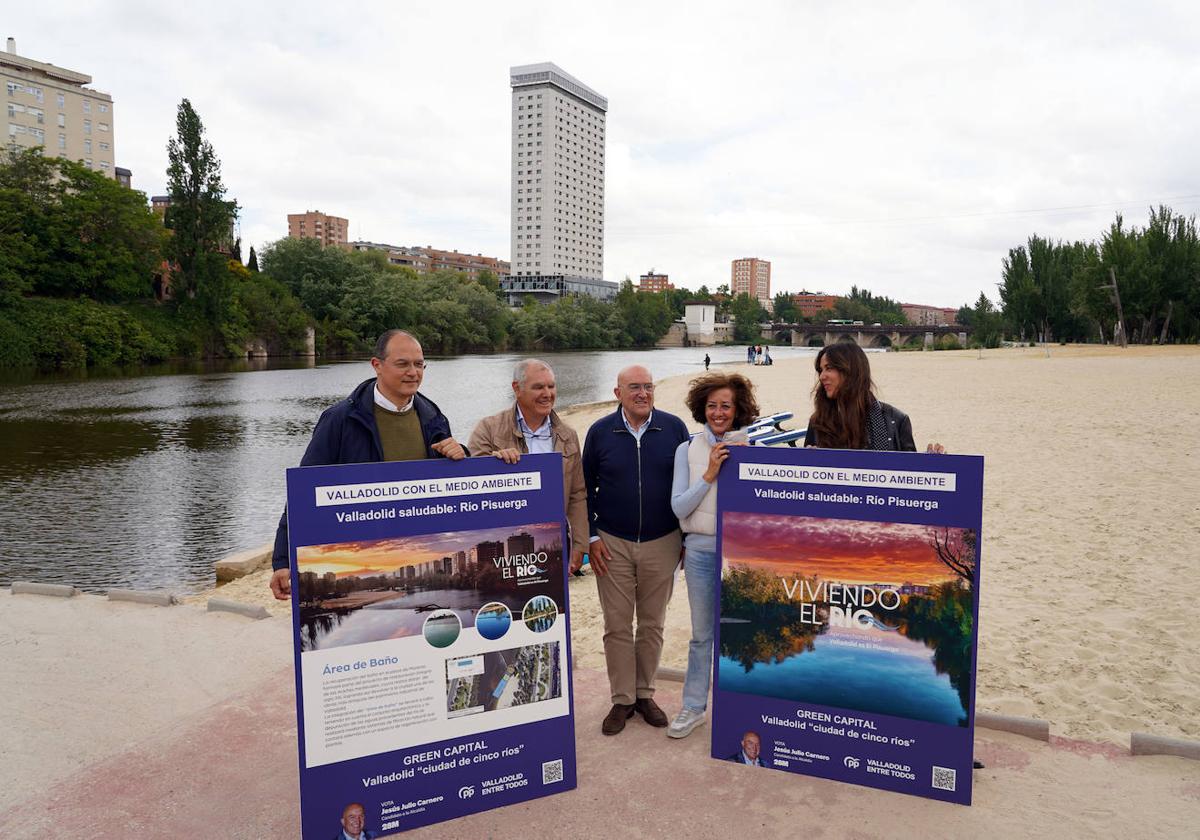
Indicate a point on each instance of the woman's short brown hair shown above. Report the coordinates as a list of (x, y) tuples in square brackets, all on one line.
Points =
[(745, 407)]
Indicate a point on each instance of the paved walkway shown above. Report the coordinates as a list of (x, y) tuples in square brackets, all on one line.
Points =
[(229, 770)]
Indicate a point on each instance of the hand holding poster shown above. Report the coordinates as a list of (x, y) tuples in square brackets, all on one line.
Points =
[(431, 640), (847, 615)]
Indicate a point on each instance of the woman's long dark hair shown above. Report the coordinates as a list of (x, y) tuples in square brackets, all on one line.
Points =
[(840, 422)]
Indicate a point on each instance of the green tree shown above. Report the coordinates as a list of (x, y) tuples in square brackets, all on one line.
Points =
[(252, 264), (747, 314), (785, 308), (67, 231), (199, 216), (645, 316)]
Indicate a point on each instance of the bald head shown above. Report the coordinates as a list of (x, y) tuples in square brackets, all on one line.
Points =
[(635, 392)]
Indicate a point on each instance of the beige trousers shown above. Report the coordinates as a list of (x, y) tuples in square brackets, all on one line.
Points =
[(638, 584)]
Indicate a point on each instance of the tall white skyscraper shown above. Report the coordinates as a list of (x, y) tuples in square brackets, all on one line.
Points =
[(558, 130)]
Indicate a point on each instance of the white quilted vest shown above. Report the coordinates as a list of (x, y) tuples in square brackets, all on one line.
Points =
[(703, 520)]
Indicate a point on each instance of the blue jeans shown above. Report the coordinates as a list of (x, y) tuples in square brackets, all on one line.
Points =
[(700, 570)]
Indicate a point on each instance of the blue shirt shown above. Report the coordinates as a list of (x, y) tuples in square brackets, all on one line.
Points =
[(538, 441), (637, 433)]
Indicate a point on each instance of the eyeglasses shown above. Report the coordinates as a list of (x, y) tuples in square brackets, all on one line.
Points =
[(638, 387), (406, 365)]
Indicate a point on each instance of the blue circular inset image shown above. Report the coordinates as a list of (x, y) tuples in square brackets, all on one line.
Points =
[(493, 620)]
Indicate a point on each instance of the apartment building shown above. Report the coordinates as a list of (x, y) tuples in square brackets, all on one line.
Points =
[(809, 305), (654, 282), (557, 201), (313, 224), (929, 316), (426, 259), (54, 109), (751, 276)]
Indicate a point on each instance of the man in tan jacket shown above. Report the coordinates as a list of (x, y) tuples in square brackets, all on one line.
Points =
[(532, 427)]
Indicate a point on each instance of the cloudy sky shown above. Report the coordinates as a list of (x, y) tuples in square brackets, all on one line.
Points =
[(901, 147), (842, 550), (355, 558)]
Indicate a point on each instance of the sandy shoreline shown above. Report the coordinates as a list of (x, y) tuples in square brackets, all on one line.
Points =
[(1092, 497)]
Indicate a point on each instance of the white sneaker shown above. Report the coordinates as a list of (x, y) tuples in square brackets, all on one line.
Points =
[(684, 723)]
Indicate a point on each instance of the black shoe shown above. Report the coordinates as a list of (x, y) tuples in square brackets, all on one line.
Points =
[(650, 712), (615, 721)]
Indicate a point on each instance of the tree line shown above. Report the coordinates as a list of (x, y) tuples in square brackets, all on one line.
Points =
[(1052, 290)]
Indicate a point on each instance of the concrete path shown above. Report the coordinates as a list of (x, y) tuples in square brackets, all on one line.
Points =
[(228, 769)]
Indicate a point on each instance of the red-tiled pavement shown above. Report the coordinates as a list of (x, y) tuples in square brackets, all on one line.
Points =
[(231, 773)]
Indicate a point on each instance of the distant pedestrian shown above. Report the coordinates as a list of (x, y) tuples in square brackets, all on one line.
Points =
[(706, 361), (750, 355), (767, 356)]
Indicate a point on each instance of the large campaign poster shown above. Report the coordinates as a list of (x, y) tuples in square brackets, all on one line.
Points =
[(432, 645), (847, 616)]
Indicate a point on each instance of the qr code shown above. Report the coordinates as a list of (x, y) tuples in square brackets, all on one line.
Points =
[(552, 772), (944, 778)]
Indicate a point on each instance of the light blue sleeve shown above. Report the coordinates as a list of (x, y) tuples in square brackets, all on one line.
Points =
[(685, 499)]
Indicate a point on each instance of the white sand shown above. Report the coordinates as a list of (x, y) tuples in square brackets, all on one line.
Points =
[(84, 677), (1091, 520)]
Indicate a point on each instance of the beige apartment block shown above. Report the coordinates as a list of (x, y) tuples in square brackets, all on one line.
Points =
[(424, 260), (52, 108), (751, 276), (558, 133), (313, 224), (929, 316)]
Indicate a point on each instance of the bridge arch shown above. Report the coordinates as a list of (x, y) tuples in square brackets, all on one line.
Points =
[(880, 340)]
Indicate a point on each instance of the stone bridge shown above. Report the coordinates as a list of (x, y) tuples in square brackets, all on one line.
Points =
[(865, 335)]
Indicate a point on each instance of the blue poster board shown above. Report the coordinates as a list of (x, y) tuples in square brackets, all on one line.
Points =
[(847, 616), (432, 640)]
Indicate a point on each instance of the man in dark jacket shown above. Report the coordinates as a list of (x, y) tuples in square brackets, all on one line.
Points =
[(628, 465), (383, 419)]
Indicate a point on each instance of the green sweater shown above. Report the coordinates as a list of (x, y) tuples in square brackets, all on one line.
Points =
[(400, 434)]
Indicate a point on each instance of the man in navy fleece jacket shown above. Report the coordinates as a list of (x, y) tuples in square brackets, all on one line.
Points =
[(628, 466)]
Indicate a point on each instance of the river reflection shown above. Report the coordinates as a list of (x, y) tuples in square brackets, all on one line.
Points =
[(866, 668), (144, 481)]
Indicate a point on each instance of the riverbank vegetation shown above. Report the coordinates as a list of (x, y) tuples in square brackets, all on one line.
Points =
[(1052, 290)]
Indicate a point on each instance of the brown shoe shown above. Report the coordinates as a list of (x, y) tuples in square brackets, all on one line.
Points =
[(615, 721), (650, 711)]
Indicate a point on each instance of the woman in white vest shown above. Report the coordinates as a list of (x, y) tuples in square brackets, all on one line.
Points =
[(723, 402)]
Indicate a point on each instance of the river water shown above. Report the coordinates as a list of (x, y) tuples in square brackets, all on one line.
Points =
[(145, 481)]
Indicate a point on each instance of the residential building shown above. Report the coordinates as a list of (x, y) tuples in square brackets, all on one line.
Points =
[(929, 316), (520, 544), (53, 108), (471, 264), (751, 276), (557, 200), (414, 258), (313, 224), (809, 304), (488, 552), (653, 282), (426, 259)]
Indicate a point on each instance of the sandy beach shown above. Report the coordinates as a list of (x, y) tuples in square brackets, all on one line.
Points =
[(1086, 622), (1092, 499)]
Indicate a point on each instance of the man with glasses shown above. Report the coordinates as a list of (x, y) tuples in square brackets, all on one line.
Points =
[(383, 419), (532, 426), (628, 467)]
